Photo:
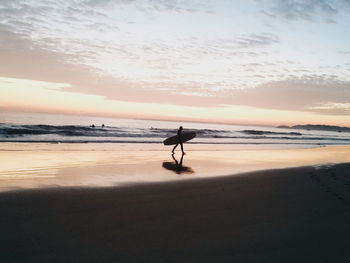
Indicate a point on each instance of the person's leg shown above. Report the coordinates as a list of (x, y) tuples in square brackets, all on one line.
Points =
[(175, 147), (182, 147)]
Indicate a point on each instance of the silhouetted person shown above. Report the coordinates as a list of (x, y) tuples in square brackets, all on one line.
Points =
[(92, 126), (179, 134), (103, 125)]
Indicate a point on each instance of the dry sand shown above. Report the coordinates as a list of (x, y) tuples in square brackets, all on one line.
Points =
[(287, 215)]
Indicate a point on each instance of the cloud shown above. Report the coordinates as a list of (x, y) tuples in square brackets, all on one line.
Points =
[(344, 52), (323, 94), (310, 10), (301, 92), (93, 46), (332, 108), (178, 6), (254, 40), (316, 93), (96, 37)]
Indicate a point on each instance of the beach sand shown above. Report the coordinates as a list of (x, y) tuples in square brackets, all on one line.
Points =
[(35, 166), (284, 215)]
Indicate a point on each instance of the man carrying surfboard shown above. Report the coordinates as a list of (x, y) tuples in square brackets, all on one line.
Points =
[(180, 138), (179, 134)]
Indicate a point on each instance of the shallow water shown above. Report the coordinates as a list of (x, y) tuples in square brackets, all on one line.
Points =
[(31, 166), (25, 127)]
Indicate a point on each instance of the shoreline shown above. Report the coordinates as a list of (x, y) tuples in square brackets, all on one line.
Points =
[(281, 215), (170, 183), (45, 166)]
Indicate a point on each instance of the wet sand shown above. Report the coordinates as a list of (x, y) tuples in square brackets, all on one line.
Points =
[(287, 215), (33, 166)]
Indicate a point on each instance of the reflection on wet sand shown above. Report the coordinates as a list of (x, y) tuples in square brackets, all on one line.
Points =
[(32, 166), (177, 166)]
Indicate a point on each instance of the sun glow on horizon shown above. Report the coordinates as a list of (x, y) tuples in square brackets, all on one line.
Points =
[(26, 95)]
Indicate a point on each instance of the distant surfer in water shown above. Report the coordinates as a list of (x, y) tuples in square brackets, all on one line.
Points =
[(179, 134)]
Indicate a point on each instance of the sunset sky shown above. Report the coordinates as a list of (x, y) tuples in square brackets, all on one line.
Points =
[(244, 61)]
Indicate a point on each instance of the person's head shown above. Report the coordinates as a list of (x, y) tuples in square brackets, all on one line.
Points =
[(180, 128)]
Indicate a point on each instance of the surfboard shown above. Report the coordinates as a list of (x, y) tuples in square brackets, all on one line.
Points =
[(186, 136)]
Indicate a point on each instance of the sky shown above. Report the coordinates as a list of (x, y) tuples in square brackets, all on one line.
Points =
[(244, 61)]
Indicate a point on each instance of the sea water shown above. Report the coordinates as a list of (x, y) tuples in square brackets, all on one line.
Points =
[(54, 128), (50, 150)]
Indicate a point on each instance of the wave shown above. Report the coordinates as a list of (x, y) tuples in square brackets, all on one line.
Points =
[(110, 134), (64, 130), (8, 130), (157, 142), (257, 132)]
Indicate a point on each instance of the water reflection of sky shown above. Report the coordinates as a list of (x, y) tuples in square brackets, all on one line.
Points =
[(52, 166)]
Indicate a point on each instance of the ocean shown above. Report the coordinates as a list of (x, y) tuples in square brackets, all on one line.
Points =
[(69, 129), (50, 150)]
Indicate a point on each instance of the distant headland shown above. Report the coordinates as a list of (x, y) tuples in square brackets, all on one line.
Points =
[(317, 127)]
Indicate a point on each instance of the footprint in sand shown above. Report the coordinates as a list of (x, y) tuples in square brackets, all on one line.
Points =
[(328, 190), (312, 174), (339, 197)]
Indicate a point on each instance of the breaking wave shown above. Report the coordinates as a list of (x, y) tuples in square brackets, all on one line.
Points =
[(110, 134)]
